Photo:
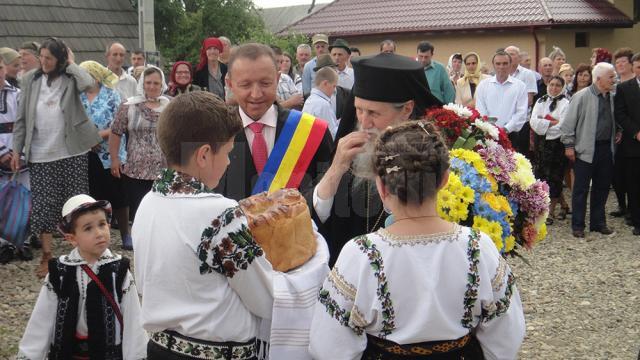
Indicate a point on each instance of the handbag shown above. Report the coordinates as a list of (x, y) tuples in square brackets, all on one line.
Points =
[(15, 211)]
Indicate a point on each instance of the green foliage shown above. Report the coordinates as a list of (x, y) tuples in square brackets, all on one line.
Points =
[(181, 25)]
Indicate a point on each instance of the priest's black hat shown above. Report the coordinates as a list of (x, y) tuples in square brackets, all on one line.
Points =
[(392, 78)]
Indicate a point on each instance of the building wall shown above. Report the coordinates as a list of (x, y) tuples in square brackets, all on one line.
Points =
[(485, 43)]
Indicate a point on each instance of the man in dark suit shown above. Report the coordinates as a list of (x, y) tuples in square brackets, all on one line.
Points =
[(627, 113), (253, 78)]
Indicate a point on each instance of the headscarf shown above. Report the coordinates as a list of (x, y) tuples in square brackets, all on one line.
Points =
[(142, 97), (471, 77), (207, 43), (103, 75), (450, 70), (173, 84)]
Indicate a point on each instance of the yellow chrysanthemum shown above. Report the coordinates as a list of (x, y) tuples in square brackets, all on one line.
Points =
[(492, 200), (504, 205), (510, 243), (542, 232), (491, 228), (467, 194), (523, 175)]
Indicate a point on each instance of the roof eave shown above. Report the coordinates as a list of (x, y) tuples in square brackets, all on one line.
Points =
[(474, 28)]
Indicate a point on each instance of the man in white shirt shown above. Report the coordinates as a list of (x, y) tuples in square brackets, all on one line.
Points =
[(127, 85), (340, 53), (253, 78), (503, 97), (137, 59)]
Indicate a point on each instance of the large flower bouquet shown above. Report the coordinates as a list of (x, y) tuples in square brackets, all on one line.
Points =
[(491, 187)]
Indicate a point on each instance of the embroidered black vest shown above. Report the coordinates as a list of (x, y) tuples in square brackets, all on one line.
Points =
[(101, 320)]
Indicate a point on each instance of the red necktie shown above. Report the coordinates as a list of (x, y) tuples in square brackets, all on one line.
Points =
[(258, 146)]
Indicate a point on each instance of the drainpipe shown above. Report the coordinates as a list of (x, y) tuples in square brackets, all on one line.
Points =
[(537, 45)]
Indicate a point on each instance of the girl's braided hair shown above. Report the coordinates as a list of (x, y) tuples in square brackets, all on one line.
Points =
[(411, 159)]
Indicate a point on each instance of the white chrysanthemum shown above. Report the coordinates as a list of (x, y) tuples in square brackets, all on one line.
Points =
[(487, 128), (460, 110)]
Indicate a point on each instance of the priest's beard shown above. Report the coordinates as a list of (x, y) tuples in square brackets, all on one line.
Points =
[(362, 164)]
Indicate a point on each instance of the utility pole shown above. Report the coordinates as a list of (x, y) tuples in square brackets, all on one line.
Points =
[(146, 32)]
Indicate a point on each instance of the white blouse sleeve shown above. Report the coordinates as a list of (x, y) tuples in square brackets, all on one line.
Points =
[(38, 335), (134, 339), (502, 326), (537, 122), (322, 206), (338, 326), (228, 248)]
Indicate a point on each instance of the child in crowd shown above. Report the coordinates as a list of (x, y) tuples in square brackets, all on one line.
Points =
[(88, 307), (203, 278), (319, 102)]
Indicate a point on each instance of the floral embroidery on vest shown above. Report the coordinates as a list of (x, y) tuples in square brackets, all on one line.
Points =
[(234, 252), (375, 261), (172, 182), (473, 279)]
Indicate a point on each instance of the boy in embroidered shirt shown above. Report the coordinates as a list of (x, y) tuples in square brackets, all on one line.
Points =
[(205, 281), (319, 102), (88, 306)]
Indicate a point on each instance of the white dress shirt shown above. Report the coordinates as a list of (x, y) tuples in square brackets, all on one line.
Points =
[(319, 105), (269, 119), (346, 78), (127, 86), (507, 102), (528, 78)]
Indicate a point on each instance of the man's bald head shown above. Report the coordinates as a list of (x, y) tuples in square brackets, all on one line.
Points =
[(545, 67), (116, 53), (514, 52)]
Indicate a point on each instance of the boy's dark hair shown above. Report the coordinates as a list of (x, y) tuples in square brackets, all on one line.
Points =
[(424, 46), (192, 120)]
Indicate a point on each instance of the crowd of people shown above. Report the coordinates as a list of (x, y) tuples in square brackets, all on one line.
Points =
[(171, 159)]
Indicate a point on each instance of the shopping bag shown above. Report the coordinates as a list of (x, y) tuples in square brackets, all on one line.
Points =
[(15, 212)]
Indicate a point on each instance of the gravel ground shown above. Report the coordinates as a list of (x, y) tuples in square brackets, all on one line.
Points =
[(581, 296)]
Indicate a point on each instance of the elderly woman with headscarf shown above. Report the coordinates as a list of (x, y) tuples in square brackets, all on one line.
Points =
[(180, 79), (466, 85), (210, 72), (138, 118), (55, 135), (101, 102), (419, 285)]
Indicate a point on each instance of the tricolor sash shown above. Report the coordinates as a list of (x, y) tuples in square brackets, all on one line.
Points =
[(292, 153)]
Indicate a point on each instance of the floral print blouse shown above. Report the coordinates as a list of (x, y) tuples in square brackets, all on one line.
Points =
[(144, 157), (102, 111)]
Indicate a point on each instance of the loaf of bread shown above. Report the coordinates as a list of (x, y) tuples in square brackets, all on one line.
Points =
[(281, 223)]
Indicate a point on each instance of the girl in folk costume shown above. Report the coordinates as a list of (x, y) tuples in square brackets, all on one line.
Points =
[(181, 78), (546, 119), (421, 288), (88, 307), (467, 84)]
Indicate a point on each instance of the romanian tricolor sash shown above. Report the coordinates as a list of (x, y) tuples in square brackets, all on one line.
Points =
[(295, 147)]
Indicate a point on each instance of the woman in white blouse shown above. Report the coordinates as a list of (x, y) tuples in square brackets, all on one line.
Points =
[(421, 285), (546, 119), (467, 84)]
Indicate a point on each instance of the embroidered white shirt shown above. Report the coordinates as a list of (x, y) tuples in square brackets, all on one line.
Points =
[(541, 125), (39, 334), (416, 293), (186, 270)]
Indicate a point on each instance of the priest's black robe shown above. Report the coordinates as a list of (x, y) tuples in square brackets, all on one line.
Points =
[(357, 210), (238, 181)]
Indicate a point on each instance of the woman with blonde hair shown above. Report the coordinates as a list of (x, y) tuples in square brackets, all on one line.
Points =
[(467, 84)]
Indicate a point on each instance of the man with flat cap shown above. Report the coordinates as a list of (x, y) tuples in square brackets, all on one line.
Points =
[(388, 89), (340, 53)]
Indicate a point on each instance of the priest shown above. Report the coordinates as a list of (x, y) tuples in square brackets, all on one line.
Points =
[(388, 89)]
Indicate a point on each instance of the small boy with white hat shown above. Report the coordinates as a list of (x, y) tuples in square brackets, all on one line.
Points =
[(88, 307)]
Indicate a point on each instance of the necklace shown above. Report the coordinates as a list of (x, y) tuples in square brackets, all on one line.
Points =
[(416, 217)]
